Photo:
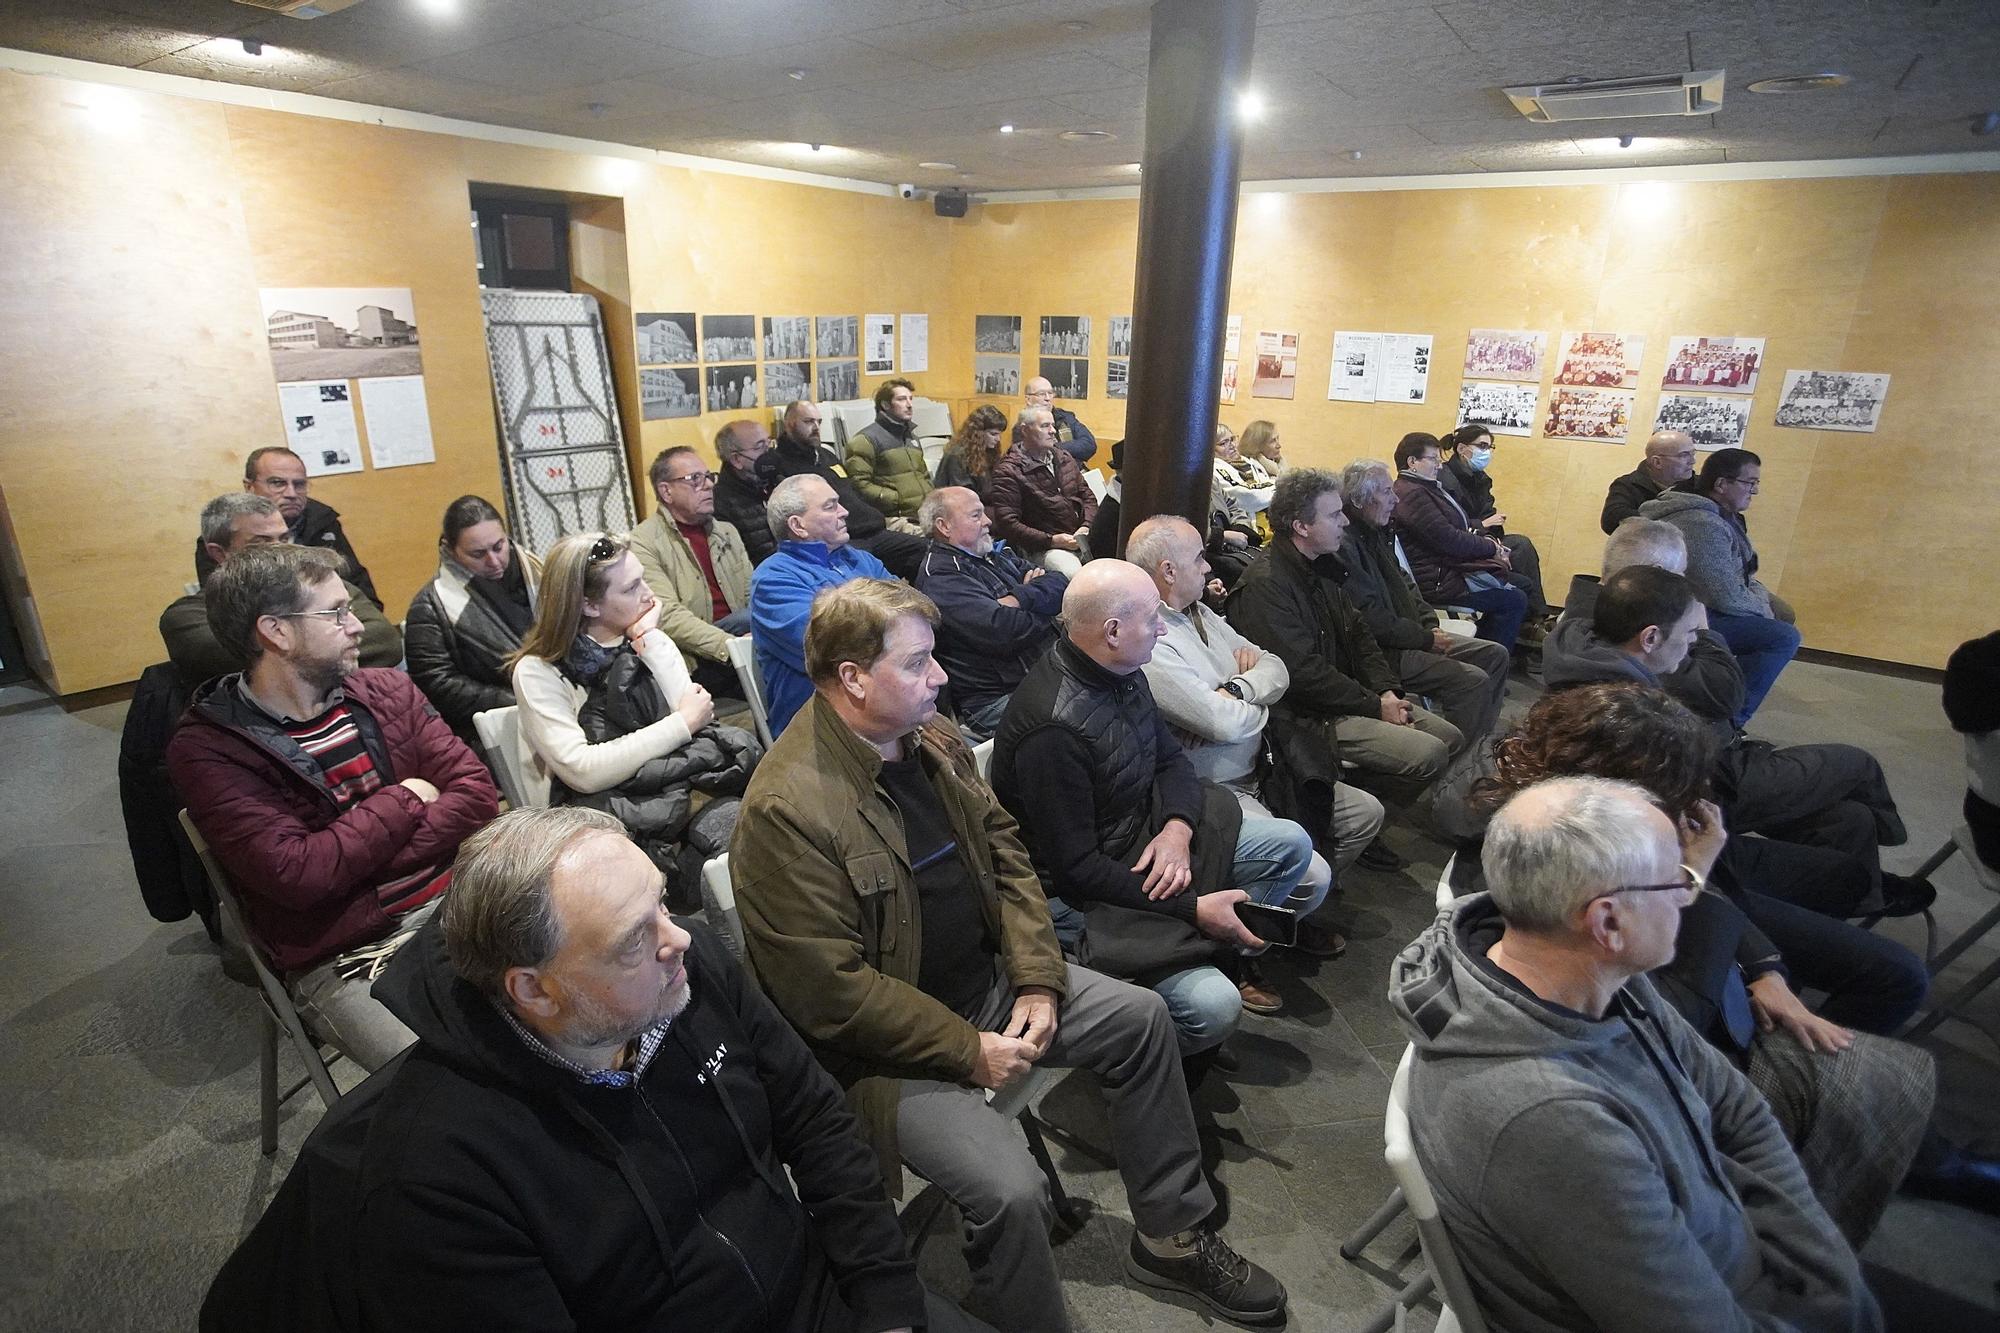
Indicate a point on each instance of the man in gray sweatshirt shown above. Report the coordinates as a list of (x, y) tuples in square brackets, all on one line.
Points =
[(1596, 1163)]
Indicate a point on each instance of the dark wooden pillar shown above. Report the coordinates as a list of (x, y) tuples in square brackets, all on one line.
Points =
[(1187, 237)]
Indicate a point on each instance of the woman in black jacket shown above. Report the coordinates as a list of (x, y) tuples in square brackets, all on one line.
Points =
[(469, 620)]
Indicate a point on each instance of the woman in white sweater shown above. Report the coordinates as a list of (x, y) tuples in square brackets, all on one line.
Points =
[(594, 603)]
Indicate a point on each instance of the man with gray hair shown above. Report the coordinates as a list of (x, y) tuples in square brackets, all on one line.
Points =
[(602, 1124), (278, 474), (1669, 461), (1465, 677), (814, 552), (799, 450), (1074, 437), (997, 613), (230, 523), (1041, 505), (1543, 1053)]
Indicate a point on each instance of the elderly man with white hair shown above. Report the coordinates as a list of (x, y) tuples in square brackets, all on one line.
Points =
[(1544, 1054)]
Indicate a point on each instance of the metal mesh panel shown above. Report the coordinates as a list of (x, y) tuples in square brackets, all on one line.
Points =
[(560, 447)]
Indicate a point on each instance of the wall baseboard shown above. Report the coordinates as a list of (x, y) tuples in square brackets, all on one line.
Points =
[(1872, 665)]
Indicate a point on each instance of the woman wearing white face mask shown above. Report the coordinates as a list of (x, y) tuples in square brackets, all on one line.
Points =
[(1465, 477)]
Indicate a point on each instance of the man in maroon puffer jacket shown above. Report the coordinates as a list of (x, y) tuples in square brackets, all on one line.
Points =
[(334, 797)]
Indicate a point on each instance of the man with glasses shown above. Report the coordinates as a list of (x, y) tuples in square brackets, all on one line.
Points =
[(1669, 461), (1074, 437), (697, 567), (1554, 1096), (798, 448), (333, 795), (279, 474), (749, 471)]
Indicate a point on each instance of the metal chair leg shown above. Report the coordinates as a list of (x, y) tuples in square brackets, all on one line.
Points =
[(267, 1080), (1377, 1222), (1938, 858), (1957, 1000), (1419, 1287), (1071, 1214)]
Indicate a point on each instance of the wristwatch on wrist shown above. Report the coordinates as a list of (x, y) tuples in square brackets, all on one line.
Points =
[(1233, 687)]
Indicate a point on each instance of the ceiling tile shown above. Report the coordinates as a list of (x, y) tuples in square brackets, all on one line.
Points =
[(559, 58), (85, 32), (743, 27), (224, 59)]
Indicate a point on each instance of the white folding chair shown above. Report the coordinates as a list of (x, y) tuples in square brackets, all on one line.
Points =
[(1445, 896), (1461, 1310), (933, 422), (744, 659), (718, 903), (499, 731), (848, 418), (982, 756), (275, 1011)]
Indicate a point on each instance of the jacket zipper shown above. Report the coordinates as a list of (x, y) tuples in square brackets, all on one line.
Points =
[(694, 1187)]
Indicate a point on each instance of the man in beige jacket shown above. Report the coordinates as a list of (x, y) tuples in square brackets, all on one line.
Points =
[(698, 568)]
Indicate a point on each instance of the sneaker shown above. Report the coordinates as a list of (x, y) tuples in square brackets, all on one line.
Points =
[(1214, 1274), (1377, 856), (1905, 896), (1258, 998)]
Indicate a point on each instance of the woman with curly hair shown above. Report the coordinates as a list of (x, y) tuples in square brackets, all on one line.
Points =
[(969, 458)]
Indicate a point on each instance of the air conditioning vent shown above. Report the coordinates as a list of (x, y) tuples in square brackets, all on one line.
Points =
[(301, 9), (1695, 93)]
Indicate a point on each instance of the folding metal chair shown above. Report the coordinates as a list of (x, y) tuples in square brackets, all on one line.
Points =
[(1989, 879), (276, 1010), (744, 660), (1442, 1270)]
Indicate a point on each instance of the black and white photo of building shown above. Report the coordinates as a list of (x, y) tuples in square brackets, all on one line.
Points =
[(787, 382), (839, 335), (1117, 377), (839, 381), (731, 387), (729, 338), (1069, 376), (664, 394), (1120, 341), (787, 338), (998, 335), (329, 333), (997, 375), (665, 339), (1065, 335)]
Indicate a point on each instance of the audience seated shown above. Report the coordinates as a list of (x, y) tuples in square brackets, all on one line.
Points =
[(597, 613), (941, 977), (1829, 796), (1464, 476), (601, 1125), (1215, 688), (1669, 462), (896, 543), (1465, 677), (885, 459), (699, 570), (278, 474), (1071, 434), (1259, 446), (231, 523), (1233, 534), (996, 614), (1120, 826), (1244, 487), (466, 624), (1722, 565), (814, 552), (1601, 1174), (332, 794), (1972, 706), (973, 453), (1454, 563), (1293, 603), (749, 471), (1040, 503)]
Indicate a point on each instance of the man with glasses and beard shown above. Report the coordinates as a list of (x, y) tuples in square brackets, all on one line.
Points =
[(333, 795)]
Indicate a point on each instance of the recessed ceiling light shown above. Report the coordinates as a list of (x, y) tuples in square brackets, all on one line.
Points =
[(1135, 167), (1084, 136), (1800, 83), (597, 109), (1250, 104), (795, 74), (1006, 129), (1623, 143), (439, 9), (1354, 155), (939, 166)]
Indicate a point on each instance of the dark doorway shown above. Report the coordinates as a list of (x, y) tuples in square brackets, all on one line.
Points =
[(522, 242)]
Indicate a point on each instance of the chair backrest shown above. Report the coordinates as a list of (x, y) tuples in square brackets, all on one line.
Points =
[(1445, 896), (1095, 480), (1399, 1150), (932, 420), (500, 733), (847, 419), (744, 659), (982, 755), (718, 900), (235, 928)]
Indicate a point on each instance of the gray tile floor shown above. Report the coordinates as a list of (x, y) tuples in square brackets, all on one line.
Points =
[(128, 1081)]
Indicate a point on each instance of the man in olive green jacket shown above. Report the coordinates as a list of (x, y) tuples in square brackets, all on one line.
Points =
[(698, 568), (891, 914)]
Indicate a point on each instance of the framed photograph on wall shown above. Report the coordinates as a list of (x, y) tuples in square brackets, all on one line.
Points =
[(669, 392), (1508, 408), (1069, 376), (839, 335), (1505, 354), (996, 335), (839, 381), (787, 338), (731, 388), (1832, 400), (997, 376), (729, 338), (1604, 415), (1066, 335), (666, 339), (1713, 365), (1715, 421), (1600, 360)]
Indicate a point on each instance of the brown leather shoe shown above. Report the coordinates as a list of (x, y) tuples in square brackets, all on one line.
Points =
[(1259, 1000)]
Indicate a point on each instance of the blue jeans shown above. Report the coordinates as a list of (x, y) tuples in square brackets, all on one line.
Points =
[(1503, 610), (1762, 646), (983, 720)]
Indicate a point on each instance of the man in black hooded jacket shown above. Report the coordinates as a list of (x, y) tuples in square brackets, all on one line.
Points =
[(593, 1130)]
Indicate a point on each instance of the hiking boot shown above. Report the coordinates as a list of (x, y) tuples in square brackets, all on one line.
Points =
[(1214, 1274)]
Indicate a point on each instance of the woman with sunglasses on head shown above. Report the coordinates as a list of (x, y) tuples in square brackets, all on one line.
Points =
[(467, 622)]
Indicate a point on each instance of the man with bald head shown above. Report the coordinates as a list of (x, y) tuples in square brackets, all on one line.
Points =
[(1669, 461), (1074, 437), (1119, 824), (1041, 505), (799, 450), (1542, 1052), (749, 471)]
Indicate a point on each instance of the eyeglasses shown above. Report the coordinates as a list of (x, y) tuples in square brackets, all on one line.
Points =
[(604, 549), (1690, 882), (698, 480), (333, 615), (1748, 484)]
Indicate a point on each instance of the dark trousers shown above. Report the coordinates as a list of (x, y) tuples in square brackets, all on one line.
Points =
[(1526, 573), (902, 552), (1873, 984), (1503, 611), (1833, 796)]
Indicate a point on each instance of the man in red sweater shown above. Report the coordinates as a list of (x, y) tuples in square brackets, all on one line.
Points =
[(335, 797)]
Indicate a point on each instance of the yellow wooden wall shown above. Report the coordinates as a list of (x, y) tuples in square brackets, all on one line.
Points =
[(134, 377), (1881, 541)]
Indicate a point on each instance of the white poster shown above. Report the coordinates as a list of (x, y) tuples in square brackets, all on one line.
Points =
[(398, 420), (1356, 367), (1406, 368), (916, 343), (1277, 371), (881, 338), (319, 425), (1832, 400), (1232, 338), (1507, 409), (1229, 381)]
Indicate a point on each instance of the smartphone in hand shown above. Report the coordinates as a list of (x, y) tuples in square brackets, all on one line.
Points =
[(1273, 925)]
